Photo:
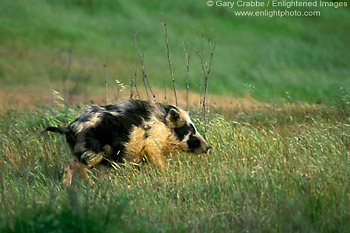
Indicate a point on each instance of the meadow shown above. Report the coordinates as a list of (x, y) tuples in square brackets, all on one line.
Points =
[(279, 120), (264, 57), (276, 168)]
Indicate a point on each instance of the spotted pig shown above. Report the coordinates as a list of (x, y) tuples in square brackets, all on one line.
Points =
[(132, 131)]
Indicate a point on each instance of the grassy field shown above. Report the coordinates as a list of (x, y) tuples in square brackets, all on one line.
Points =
[(282, 168), (279, 120), (265, 57)]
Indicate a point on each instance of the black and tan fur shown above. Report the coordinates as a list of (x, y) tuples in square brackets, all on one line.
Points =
[(128, 131)]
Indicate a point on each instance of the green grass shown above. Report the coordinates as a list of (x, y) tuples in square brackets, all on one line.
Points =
[(265, 57), (282, 168)]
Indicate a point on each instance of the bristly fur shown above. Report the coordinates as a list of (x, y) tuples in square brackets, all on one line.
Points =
[(128, 131)]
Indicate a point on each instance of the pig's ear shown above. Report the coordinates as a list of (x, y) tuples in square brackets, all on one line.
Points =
[(173, 118)]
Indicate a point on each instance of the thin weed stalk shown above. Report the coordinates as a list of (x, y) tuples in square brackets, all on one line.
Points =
[(143, 68), (201, 56), (207, 74), (169, 59), (206, 69), (133, 78), (187, 58), (164, 85), (106, 82)]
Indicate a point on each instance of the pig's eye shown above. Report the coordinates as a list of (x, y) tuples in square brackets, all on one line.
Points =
[(182, 131)]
